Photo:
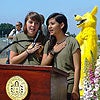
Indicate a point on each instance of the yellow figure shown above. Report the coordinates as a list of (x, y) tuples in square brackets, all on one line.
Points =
[(87, 39)]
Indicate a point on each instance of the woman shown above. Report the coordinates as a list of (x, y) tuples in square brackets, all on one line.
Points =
[(26, 52), (63, 52)]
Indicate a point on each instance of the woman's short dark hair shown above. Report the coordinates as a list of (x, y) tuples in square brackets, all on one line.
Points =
[(59, 18), (32, 16)]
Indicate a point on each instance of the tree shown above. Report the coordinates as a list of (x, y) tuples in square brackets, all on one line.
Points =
[(73, 35), (5, 29)]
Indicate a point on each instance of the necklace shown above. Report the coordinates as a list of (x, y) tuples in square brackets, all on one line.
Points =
[(61, 41)]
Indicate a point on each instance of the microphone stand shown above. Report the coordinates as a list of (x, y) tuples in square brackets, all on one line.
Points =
[(33, 42), (14, 43)]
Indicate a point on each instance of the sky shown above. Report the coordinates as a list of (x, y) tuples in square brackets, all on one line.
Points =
[(12, 11)]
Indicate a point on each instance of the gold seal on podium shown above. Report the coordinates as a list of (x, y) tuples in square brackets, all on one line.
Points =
[(16, 88)]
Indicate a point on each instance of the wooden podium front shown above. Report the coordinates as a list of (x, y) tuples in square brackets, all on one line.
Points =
[(44, 82)]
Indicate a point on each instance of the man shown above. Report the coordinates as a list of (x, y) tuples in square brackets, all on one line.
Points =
[(17, 30)]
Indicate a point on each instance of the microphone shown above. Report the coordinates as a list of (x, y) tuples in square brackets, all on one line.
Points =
[(33, 43), (14, 43)]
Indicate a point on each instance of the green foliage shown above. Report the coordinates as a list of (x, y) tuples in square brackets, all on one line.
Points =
[(86, 67), (99, 36), (5, 29), (98, 92), (99, 45), (89, 65), (73, 35)]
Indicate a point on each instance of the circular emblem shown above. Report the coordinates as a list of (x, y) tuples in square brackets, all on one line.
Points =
[(16, 88)]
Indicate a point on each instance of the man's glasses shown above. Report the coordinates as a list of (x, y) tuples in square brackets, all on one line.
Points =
[(18, 25)]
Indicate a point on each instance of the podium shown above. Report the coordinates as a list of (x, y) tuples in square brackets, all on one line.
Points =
[(44, 82)]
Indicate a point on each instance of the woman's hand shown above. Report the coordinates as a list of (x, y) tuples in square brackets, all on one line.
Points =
[(75, 96), (31, 49)]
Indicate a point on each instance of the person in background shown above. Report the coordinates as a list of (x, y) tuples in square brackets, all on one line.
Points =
[(28, 53), (43, 26), (18, 29), (63, 52)]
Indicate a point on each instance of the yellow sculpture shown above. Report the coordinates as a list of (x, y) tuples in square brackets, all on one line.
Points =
[(87, 39)]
